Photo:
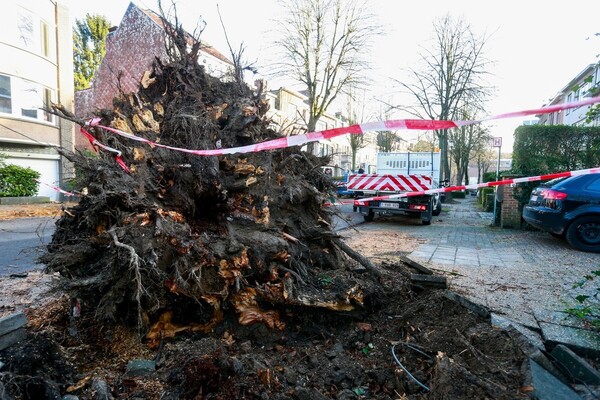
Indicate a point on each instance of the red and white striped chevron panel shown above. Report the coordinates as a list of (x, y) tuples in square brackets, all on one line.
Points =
[(392, 183)]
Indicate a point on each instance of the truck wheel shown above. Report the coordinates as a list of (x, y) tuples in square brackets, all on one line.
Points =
[(369, 217)]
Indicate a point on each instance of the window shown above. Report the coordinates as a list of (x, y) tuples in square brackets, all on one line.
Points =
[(47, 103), (5, 95), (594, 186), (25, 99), (45, 38), (25, 29), (31, 100)]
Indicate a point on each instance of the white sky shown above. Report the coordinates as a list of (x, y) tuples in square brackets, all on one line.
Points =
[(538, 46)]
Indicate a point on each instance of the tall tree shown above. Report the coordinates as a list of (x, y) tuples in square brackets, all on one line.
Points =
[(325, 46), (452, 73), (356, 142), (89, 48), (465, 140), (386, 141)]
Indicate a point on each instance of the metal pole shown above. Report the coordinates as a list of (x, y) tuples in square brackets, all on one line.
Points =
[(496, 188)]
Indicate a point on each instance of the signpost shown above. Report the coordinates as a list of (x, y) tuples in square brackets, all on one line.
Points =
[(496, 142)]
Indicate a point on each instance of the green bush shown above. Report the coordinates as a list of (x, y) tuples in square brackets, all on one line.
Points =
[(18, 181), (489, 177), (483, 192), (458, 195), (488, 204)]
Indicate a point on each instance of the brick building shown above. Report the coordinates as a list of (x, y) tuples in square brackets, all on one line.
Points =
[(130, 50)]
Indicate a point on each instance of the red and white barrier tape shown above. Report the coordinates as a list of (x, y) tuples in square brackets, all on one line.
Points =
[(299, 140), (480, 185), (95, 143), (57, 188)]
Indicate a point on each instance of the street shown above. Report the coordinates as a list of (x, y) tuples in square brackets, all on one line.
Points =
[(20, 243)]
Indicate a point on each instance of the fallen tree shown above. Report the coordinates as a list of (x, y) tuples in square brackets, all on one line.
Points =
[(179, 238)]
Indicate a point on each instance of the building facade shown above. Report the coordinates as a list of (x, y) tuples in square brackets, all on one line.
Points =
[(36, 68), (583, 85)]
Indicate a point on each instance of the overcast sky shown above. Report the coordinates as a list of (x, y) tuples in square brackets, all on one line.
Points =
[(536, 46)]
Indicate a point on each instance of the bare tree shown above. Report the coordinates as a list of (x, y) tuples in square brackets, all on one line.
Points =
[(464, 141), (483, 157), (325, 44), (453, 73)]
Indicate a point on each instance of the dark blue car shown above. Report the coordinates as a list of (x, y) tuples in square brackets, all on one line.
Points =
[(569, 208)]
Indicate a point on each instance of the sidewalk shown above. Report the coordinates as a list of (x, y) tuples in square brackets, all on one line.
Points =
[(521, 276)]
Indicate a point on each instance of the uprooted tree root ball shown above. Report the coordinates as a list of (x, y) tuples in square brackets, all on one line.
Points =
[(244, 232), (226, 271)]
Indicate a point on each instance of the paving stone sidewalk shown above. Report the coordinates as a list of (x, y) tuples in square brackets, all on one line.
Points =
[(521, 276)]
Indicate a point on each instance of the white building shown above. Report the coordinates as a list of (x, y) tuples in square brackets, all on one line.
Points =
[(581, 86), (36, 68)]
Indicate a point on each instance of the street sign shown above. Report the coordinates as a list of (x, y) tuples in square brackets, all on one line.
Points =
[(497, 142)]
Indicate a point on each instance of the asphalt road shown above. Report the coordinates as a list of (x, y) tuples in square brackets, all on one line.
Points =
[(21, 242)]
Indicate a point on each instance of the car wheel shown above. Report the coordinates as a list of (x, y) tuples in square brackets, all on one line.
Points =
[(369, 217), (424, 222), (584, 234)]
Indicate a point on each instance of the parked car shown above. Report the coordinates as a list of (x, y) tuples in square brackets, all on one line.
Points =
[(569, 208)]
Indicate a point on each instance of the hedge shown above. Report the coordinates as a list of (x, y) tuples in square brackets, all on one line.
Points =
[(544, 149), (16, 181)]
